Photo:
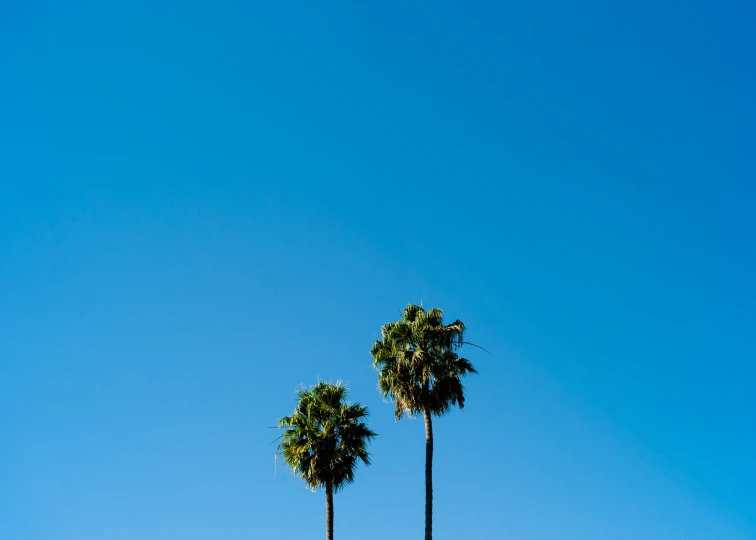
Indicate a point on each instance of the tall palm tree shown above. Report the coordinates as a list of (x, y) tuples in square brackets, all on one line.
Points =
[(419, 368), (324, 439)]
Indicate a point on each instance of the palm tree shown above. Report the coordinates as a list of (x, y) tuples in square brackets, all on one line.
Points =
[(324, 439), (419, 368)]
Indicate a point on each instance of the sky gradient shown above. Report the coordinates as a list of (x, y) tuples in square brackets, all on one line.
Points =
[(205, 205)]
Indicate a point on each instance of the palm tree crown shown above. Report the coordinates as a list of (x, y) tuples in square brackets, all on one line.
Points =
[(325, 437), (418, 364)]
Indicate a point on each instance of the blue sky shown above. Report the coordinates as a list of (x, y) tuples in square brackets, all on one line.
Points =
[(204, 205)]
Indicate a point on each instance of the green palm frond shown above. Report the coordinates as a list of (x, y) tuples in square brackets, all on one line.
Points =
[(326, 437), (418, 363)]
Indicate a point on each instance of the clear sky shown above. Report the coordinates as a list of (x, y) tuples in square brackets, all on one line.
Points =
[(204, 205)]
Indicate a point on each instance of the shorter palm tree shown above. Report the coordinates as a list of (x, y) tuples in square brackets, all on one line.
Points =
[(324, 440)]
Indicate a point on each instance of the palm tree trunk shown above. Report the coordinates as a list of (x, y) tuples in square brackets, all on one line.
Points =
[(428, 474), (329, 511)]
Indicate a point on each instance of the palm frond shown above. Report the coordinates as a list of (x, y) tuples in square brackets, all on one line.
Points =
[(326, 437), (418, 363)]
